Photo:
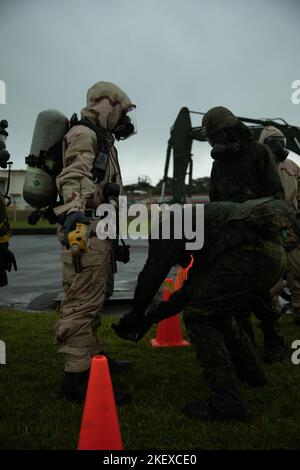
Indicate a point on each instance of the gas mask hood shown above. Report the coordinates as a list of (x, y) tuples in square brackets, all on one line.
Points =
[(225, 143), (220, 151)]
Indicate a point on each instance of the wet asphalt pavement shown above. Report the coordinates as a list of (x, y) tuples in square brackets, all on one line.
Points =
[(37, 284)]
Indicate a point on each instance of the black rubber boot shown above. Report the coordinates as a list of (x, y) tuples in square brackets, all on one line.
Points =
[(122, 397), (74, 385), (223, 405), (74, 388), (116, 367)]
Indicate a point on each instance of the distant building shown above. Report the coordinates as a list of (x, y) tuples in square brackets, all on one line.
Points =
[(198, 198), (143, 198), (17, 178), (137, 193)]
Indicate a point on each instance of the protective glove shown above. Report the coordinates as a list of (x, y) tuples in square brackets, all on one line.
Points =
[(70, 224), (133, 327), (122, 252), (7, 258), (127, 326)]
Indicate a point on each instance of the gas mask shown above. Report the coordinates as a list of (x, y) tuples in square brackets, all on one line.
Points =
[(126, 127), (225, 143), (277, 145)]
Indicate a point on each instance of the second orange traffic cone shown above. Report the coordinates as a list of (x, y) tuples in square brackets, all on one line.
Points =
[(169, 331), (100, 428)]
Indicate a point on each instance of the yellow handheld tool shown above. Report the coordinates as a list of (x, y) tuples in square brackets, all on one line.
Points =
[(4, 232), (78, 242)]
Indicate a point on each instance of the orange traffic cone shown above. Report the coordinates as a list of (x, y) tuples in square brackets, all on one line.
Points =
[(169, 330), (182, 275), (100, 425)]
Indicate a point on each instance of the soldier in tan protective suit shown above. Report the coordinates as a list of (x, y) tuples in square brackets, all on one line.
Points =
[(84, 183), (289, 173)]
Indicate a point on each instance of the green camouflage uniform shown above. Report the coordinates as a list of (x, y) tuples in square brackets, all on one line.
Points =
[(224, 287), (242, 257), (250, 174), (226, 290)]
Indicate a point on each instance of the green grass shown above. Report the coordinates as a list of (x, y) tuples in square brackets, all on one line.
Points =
[(33, 416), (25, 224)]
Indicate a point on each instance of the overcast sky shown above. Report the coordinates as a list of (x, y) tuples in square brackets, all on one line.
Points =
[(165, 54)]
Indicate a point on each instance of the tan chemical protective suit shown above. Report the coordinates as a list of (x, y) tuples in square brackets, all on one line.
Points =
[(85, 292)]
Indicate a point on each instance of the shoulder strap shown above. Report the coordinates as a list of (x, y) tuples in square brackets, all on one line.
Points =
[(102, 158), (99, 133)]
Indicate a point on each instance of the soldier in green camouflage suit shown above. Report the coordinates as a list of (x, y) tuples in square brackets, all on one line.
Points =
[(244, 169), (243, 256)]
